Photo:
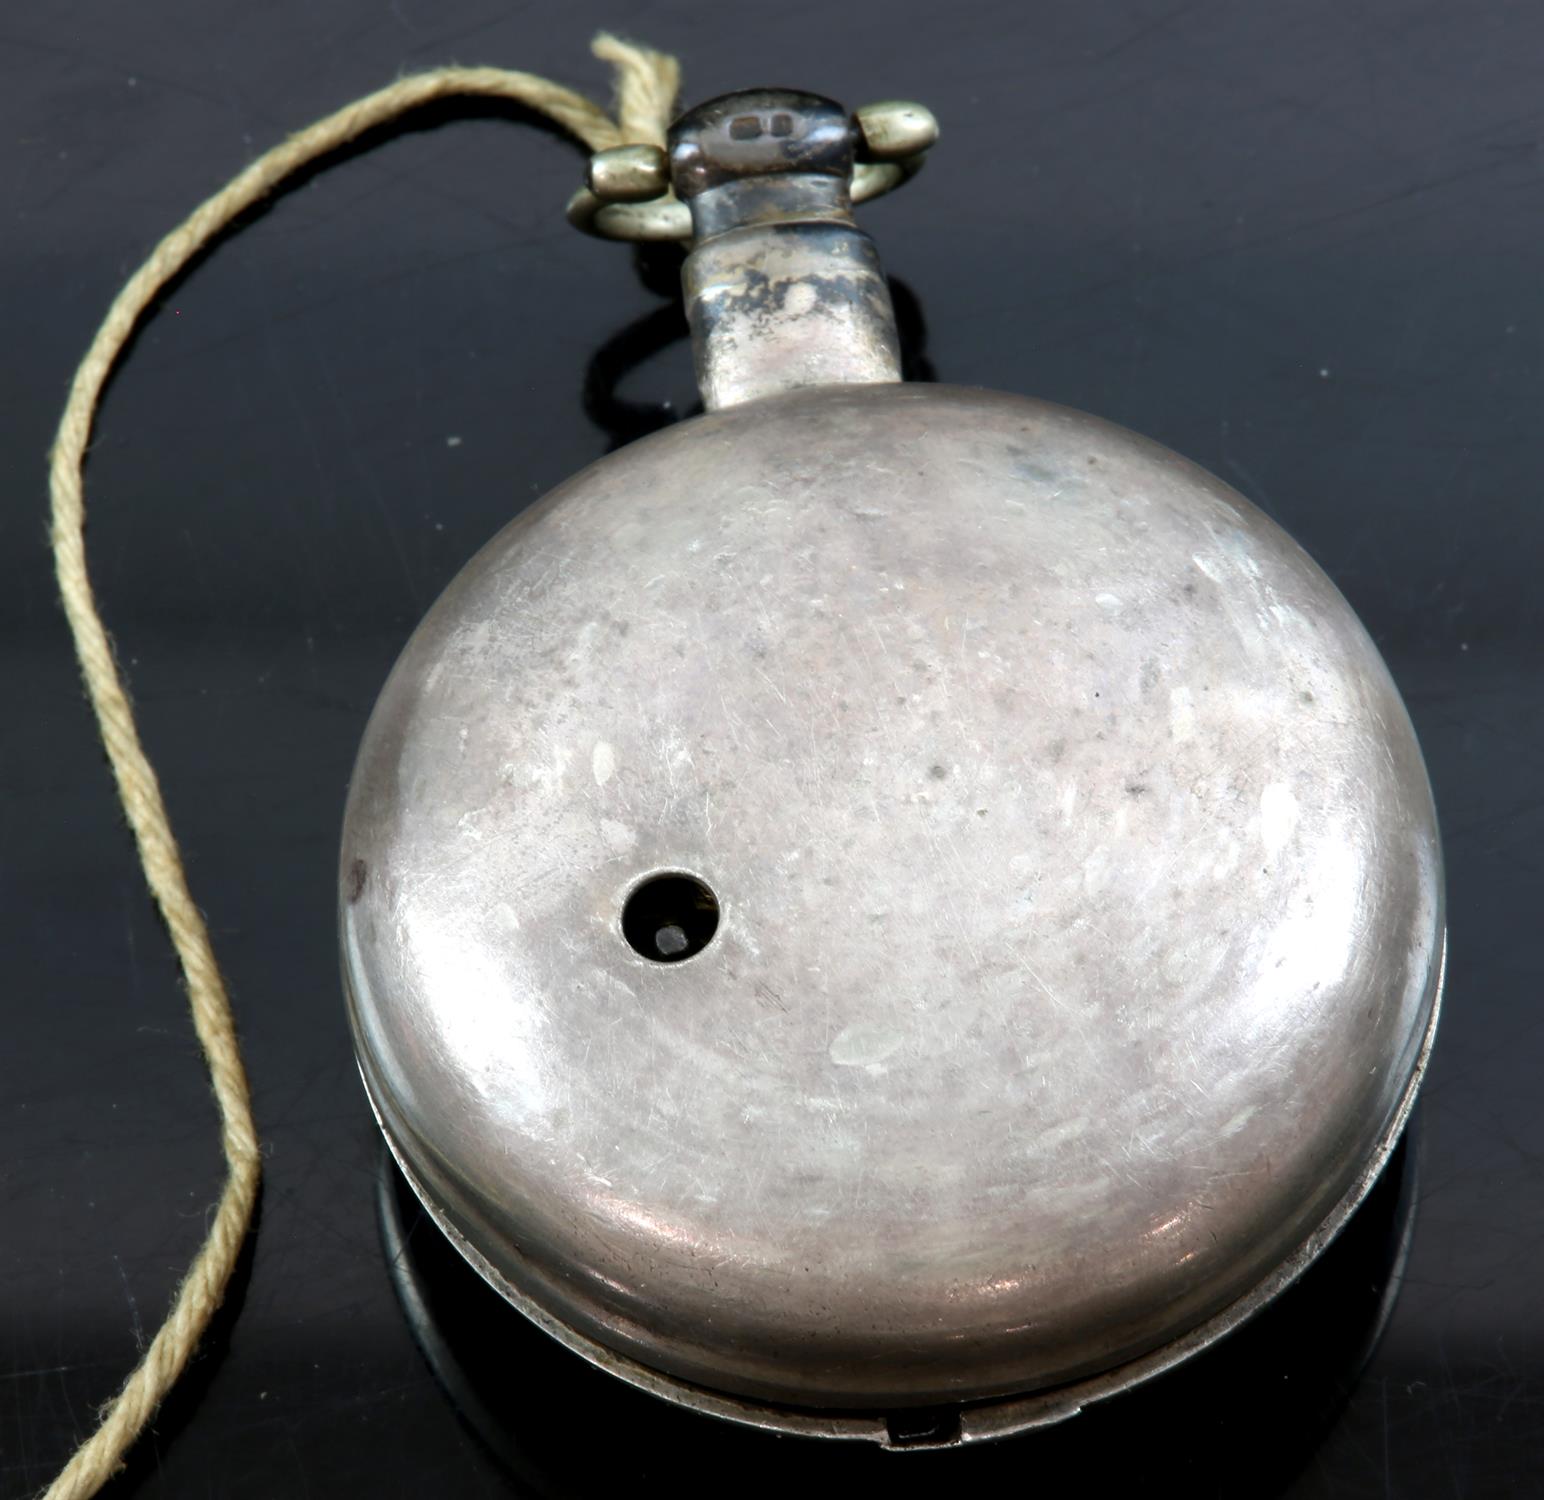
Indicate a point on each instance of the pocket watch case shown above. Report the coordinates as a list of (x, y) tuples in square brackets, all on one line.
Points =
[(883, 897)]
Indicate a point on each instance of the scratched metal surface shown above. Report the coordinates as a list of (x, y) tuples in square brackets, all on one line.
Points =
[(1033, 947), (1297, 243)]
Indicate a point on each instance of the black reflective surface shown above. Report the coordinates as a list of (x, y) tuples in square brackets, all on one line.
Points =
[(1300, 243), (1241, 1418)]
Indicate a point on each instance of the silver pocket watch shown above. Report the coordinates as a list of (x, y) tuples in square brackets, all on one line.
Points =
[(882, 899)]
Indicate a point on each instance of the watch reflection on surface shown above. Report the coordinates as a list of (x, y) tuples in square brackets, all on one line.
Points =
[(1240, 1418)]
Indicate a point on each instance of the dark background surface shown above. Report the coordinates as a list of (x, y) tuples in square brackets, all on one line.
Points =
[(1300, 243)]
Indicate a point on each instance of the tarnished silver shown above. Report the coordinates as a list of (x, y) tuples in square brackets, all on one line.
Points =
[(887, 897), (896, 136), (628, 174), (896, 130), (782, 289)]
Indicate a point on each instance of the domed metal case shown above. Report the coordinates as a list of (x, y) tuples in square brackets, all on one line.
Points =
[(1076, 883)]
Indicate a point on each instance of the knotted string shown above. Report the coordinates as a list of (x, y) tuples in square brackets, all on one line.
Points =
[(646, 83)]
